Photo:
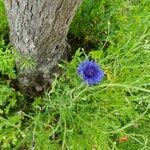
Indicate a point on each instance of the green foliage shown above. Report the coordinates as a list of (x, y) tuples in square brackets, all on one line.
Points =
[(104, 23), (10, 130), (73, 115), (9, 119), (7, 60), (24, 62), (3, 20)]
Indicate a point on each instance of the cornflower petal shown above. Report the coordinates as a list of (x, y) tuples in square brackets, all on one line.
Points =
[(90, 72)]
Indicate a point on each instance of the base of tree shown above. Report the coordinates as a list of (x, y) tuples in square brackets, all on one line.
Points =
[(33, 82)]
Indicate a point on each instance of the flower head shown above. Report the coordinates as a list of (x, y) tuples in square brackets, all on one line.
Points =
[(90, 72), (123, 139)]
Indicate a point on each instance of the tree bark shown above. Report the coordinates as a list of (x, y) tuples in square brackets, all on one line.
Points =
[(38, 30)]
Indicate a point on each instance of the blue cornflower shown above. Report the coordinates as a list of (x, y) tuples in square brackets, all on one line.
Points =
[(90, 72)]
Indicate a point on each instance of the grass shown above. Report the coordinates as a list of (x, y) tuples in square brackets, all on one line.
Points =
[(73, 115)]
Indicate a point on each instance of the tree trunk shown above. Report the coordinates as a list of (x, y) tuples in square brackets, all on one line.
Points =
[(38, 30)]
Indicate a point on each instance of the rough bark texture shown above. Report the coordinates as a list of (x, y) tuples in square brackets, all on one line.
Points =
[(38, 29)]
